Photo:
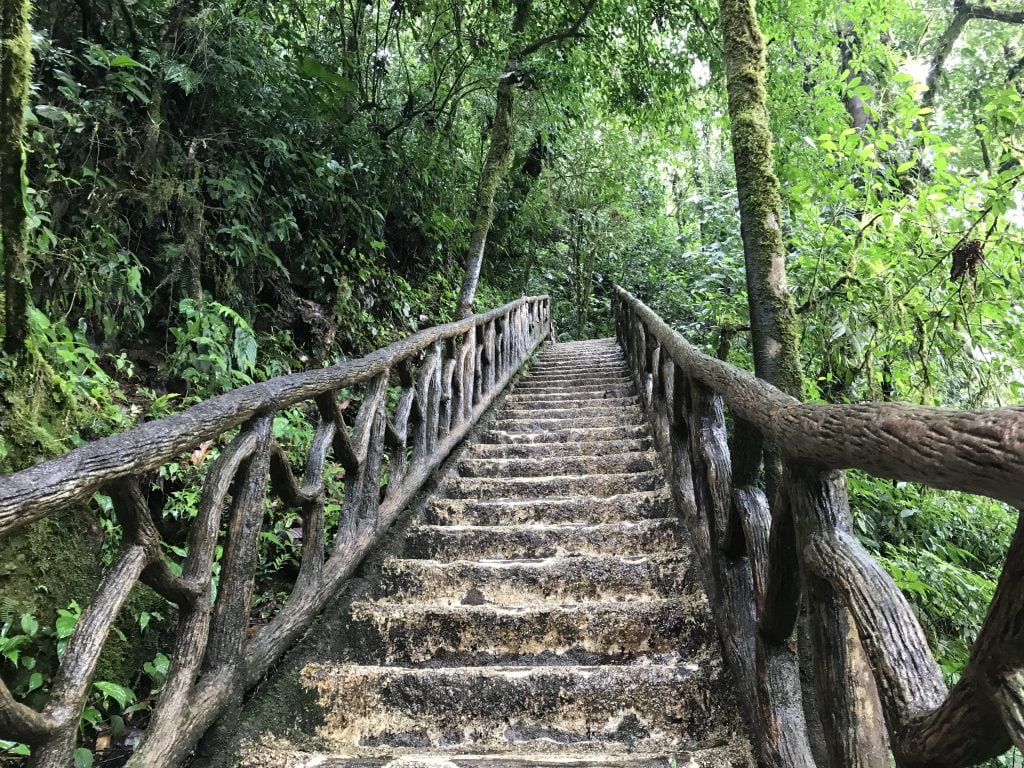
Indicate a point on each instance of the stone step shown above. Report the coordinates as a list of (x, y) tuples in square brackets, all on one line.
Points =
[(582, 391), (554, 580), (488, 542), (574, 412), (589, 380), (613, 463), (734, 756), (535, 424), (488, 708), (616, 367), (474, 635), (573, 509), (567, 434), (526, 403), (611, 484), (575, 448), (573, 395)]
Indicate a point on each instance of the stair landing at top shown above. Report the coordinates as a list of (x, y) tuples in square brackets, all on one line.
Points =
[(545, 611)]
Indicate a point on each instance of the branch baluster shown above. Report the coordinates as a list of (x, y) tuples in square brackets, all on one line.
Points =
[(217, 655), (759, 565)]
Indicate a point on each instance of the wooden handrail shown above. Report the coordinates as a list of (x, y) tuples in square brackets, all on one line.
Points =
[(762, 557), (446, 377)]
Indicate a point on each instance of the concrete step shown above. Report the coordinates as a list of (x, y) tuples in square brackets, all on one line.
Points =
[(273, 756), (608, 418), (567, 434), (572, 381), (547, 466), (488, 542), (554, 580), (476, 635), (574, 509), (611, 484), (572, 396), (607, 367), (593, 409), (542, 450), (526, 403), (582, 392), (492, 708)]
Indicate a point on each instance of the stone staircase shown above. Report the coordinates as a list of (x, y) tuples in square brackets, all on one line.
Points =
[(544, 610)]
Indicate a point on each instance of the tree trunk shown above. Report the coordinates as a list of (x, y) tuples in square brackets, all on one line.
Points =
[(772, 317), (496, 165), (846, 700), (15, 74)]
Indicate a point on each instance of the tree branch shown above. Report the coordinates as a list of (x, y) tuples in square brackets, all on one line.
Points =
[(962, 13), (573, 30)]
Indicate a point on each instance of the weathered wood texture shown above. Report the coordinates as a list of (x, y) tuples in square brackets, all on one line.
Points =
[(868, 656), (446, 378)]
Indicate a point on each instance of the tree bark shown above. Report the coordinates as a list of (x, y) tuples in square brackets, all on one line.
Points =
[(15, 74), (846, 702), (772, 317), (499, 152)]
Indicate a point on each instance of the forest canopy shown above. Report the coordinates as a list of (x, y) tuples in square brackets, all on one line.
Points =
[(214, 193)]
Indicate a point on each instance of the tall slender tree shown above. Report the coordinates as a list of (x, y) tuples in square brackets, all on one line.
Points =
[(15, 73), (847, 730), (499, 151)]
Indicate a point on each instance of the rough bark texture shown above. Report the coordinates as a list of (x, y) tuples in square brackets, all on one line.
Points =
[(772, 319), (15, 74), (858, 614), (851, 725), (962, 13)]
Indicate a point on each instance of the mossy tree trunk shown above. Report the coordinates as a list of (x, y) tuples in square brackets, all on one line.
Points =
[(496, 165), (499, 152), (772, 315), (15, 74), (843, 724)]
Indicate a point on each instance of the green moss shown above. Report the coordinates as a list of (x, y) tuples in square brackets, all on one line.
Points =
[(773, 320)]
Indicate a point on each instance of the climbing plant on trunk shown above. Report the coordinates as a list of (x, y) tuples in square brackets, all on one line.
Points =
[(15, 71)]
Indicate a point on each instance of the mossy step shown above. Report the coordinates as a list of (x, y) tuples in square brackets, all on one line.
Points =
[(527, 403), (575, 448), (612, 418), (277, 757), (474, 635), (598, 409), (536, 383), (560, 465), (644, 707), (469, 542), (555, 580), (611, 368), (581, 392), (570, 509), (609, 484), (567, 434)]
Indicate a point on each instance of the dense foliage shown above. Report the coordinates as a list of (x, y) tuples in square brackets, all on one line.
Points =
[(222, 192)]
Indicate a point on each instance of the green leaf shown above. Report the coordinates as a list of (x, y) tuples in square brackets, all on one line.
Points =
[(121, 60), (123, 696), (83, 758), (29, 625), (310, 67)]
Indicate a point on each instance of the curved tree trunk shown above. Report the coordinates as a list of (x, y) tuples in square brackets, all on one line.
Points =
[(15, 74), (496, 165)]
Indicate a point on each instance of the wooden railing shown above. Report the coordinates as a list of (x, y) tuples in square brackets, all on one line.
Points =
[(446, 378), (863, 653)]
